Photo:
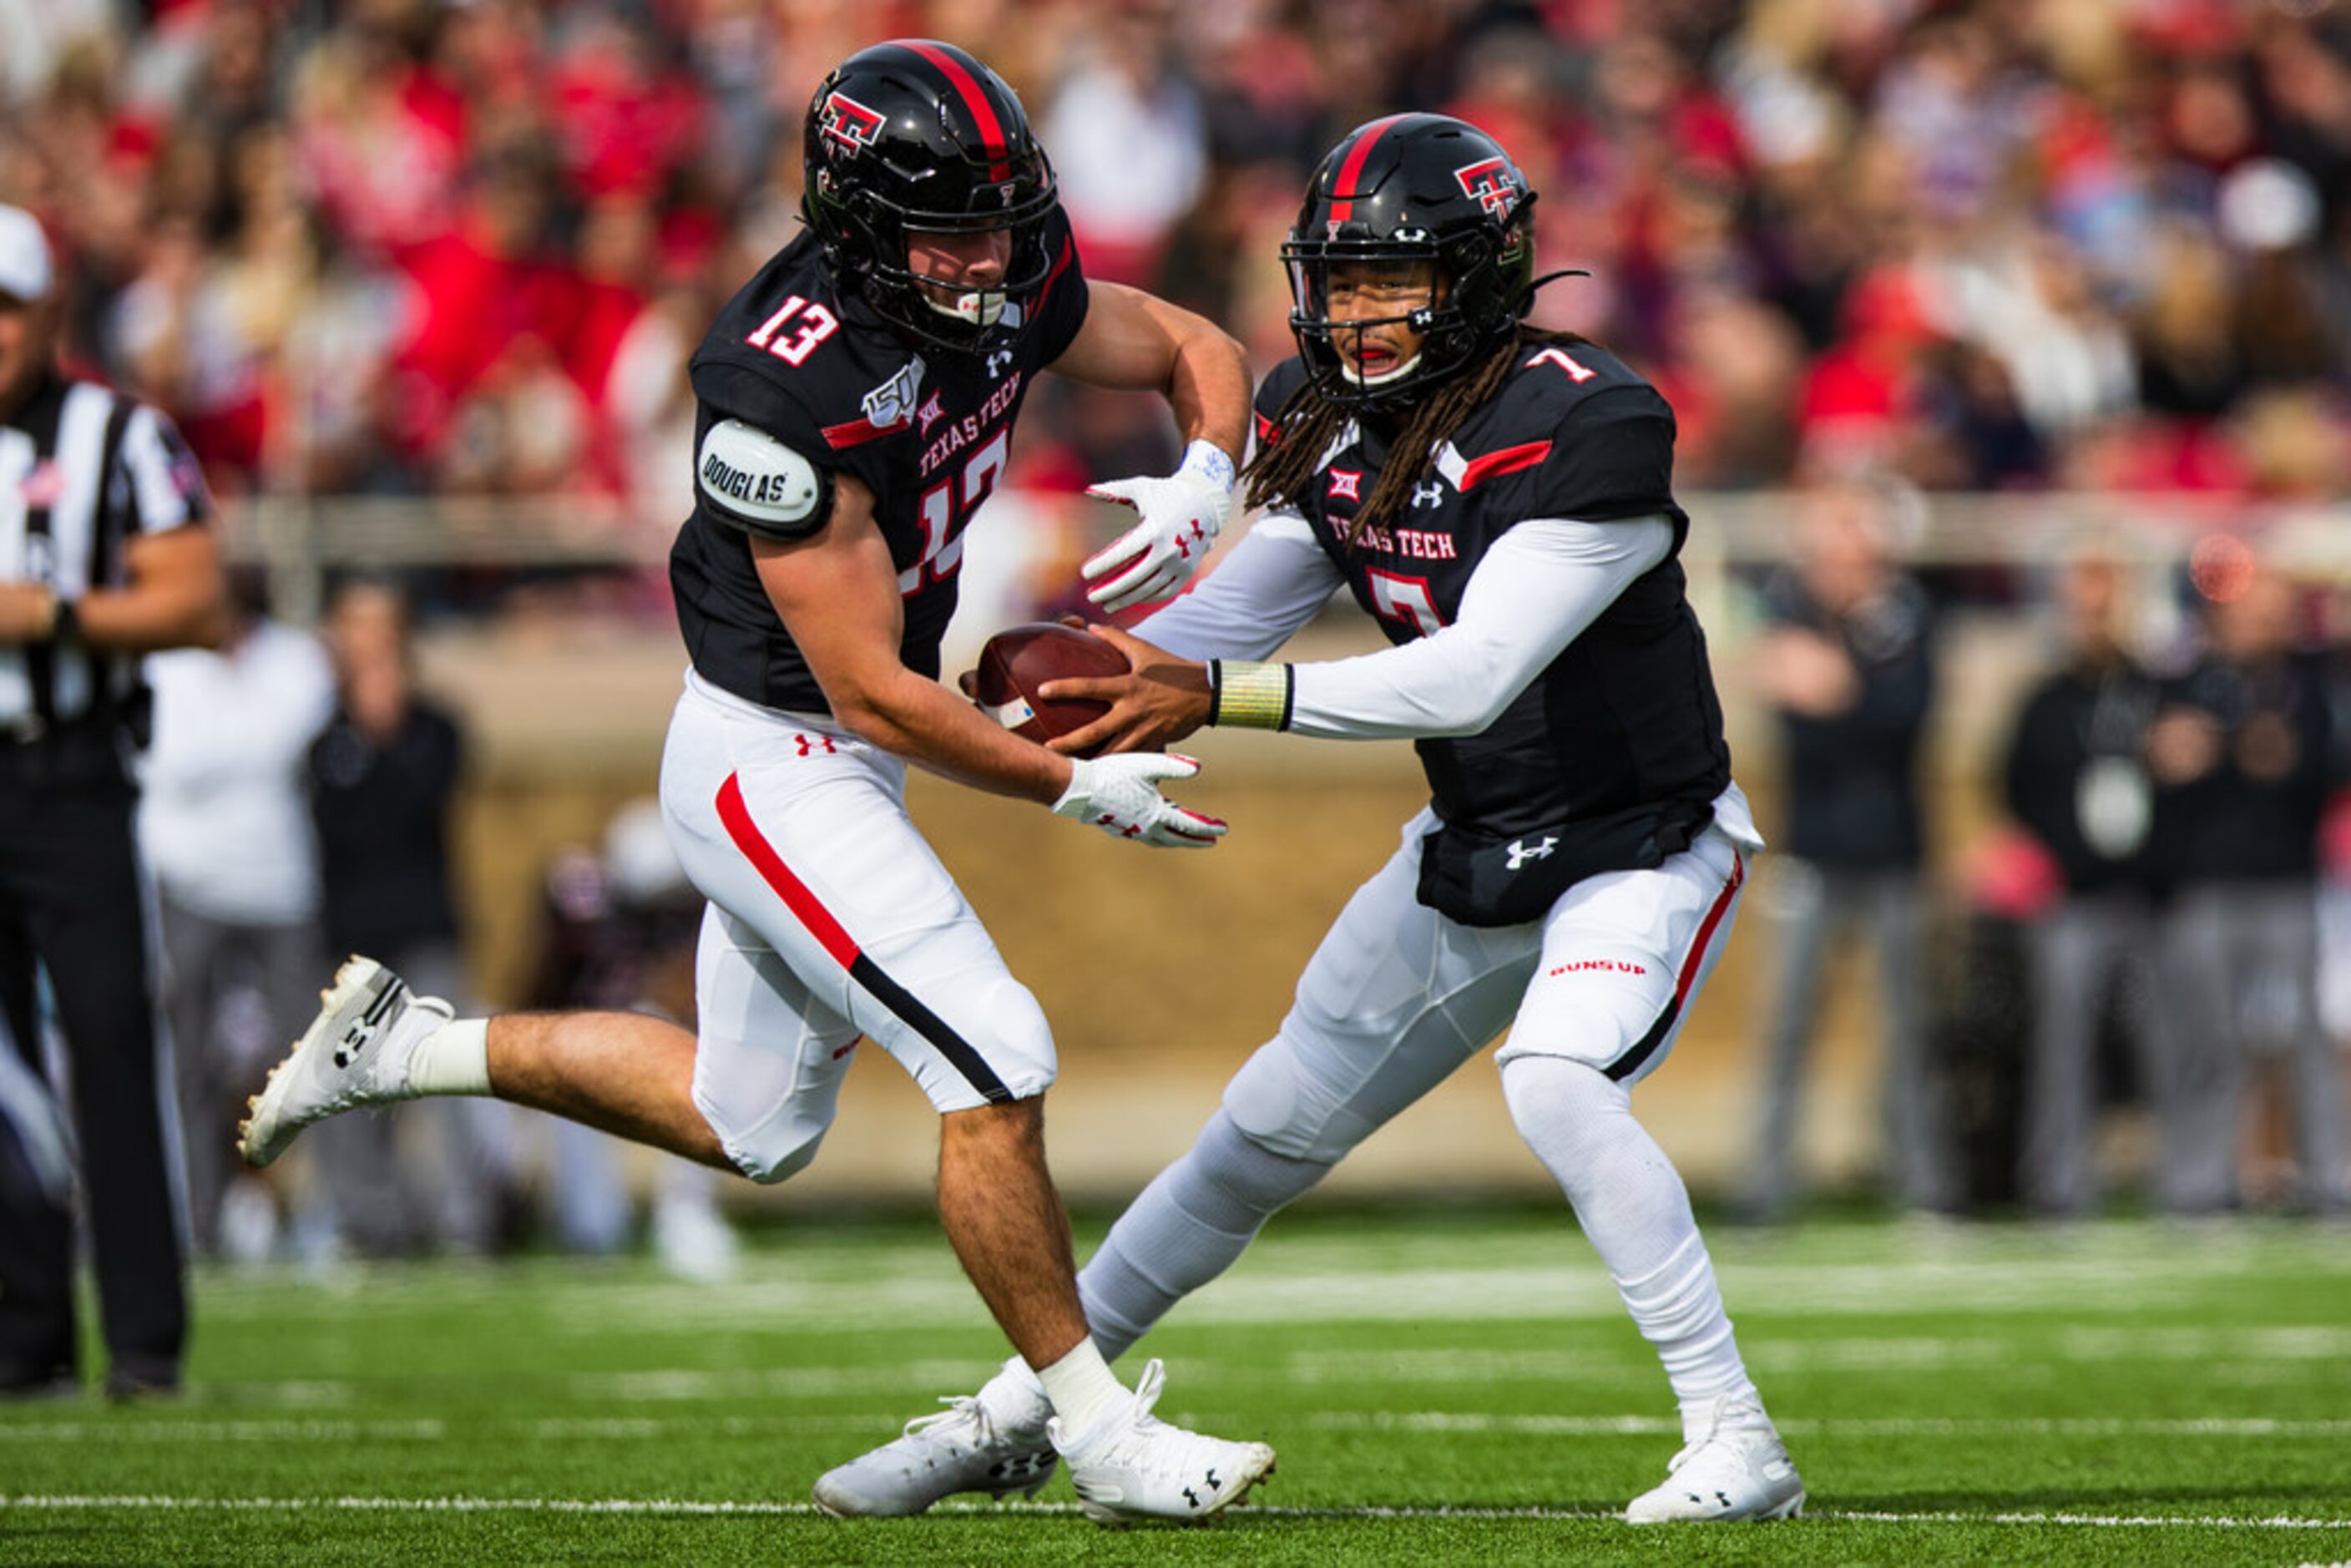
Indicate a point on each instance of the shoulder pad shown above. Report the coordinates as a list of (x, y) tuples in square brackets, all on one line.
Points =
[(748, 479)]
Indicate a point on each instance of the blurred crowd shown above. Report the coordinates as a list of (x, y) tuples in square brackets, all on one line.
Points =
[(411, 246), (2150, 923)]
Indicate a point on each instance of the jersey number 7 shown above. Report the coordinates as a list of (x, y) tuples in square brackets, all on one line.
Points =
[(1404, 598)]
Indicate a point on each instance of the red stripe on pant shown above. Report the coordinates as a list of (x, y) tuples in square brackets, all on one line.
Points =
[(834, 939)]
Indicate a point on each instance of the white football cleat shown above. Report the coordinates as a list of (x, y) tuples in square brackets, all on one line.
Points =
[(1737, 1469), (961, 1449), (1130, 1465), (355, 1052)]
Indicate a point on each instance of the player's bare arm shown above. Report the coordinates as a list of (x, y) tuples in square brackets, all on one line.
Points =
[(1134, 342), (837, 592)]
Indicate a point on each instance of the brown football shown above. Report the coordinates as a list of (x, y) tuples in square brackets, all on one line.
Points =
[(1019, 659)]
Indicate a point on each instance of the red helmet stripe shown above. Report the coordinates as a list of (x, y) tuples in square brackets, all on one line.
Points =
[(1342, 188), (983, 113)]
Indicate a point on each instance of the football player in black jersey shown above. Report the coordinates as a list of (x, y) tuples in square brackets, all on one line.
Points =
[(1500, 499), (857, 400)]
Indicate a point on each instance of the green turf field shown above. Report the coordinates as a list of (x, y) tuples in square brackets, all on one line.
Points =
[(1443, 1388)]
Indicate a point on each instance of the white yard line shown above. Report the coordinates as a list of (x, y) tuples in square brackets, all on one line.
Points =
[(683, 1506)]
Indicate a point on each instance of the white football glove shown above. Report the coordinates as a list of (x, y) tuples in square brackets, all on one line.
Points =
[(1120, 796), (1181, 515)]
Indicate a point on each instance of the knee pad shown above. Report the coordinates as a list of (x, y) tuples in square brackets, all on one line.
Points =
[(998, 1021), (1289, 1111)]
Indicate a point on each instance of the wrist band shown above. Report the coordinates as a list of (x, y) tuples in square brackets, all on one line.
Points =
[(45, 624), (1249, 695), (1207, 461)]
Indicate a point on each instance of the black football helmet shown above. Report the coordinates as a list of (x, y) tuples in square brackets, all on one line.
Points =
[(1414, 187), (916, 136)]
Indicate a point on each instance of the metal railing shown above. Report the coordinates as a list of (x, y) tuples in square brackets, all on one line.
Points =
[(304, 540)]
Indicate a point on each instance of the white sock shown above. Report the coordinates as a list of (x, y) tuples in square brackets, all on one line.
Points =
[(1634, 1209), (1014, 1399), (1082, 1386), (453, 1060)]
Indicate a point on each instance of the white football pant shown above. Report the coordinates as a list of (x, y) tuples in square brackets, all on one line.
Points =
[(830, 918), (1398, 996)]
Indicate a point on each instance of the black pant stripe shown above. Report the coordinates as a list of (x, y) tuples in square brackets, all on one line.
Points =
[(931, 1027), (1629, 1063)]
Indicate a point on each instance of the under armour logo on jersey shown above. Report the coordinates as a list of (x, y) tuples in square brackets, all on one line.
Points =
[(1430, 494), (1521, 852), (850, 123), (1346, 485), (813, 745), (998, 362)]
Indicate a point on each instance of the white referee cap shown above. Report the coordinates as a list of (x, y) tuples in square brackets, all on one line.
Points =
[(24, 256)]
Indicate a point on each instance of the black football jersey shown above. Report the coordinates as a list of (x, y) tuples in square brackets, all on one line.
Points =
[(1622, 729), (927, 430)]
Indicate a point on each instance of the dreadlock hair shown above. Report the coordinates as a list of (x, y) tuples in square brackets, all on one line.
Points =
[(1307, 424)]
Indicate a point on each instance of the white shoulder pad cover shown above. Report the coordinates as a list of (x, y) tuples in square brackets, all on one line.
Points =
[(752, 481)]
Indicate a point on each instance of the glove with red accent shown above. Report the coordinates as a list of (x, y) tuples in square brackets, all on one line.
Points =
[(1182, 515), (1120, 796)]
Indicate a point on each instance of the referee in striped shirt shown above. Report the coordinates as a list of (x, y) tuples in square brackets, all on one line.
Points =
[(105, 552)]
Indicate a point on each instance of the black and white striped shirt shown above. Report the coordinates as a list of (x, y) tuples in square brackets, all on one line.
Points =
[(83, 469)]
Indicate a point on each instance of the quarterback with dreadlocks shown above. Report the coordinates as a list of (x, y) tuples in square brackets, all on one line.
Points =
[(1500, 499), (857, 399)]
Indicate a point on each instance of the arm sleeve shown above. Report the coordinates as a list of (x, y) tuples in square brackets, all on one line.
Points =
[(1268, 586), (1537, 589)]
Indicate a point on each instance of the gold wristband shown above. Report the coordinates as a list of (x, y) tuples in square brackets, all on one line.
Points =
[(1250, 696), (45, 623)]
